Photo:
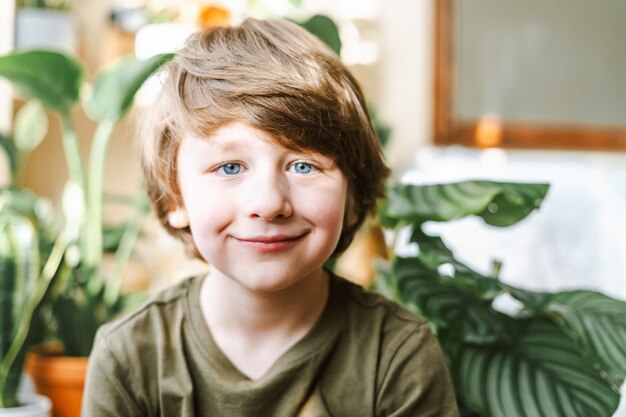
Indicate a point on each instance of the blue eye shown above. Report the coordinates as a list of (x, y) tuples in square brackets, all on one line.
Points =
[(230, 168), (301, 168)]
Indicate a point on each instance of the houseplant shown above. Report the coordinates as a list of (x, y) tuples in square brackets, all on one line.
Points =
[(562, 354), (45, 24), (27, 241), (21, 290), (72, 289)]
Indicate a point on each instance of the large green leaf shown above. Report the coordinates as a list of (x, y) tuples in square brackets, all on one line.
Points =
[(542, 375), (434, 253), (513, 202), (115, 88), (498, 203), (448, 304), (534, 302), (597, 323), (51, 77)]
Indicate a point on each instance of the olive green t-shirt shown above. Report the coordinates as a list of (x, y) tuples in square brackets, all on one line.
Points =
[(365, 356)]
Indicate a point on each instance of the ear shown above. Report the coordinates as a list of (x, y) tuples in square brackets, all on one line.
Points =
[(178, 218)]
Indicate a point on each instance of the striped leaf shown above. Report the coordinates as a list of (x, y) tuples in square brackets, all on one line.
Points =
[(597, 323), (448, 304), (498, 203), (434, 253), (541, 375)]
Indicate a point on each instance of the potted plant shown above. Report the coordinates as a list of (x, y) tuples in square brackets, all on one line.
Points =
[(27, 241), (561, 355), (45, 24), (74, 296), (24, 234)]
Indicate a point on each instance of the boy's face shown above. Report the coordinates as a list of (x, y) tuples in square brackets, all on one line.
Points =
[(262, 215)]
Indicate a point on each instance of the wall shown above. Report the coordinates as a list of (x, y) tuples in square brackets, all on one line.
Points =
[(6, 42), (406, 76)]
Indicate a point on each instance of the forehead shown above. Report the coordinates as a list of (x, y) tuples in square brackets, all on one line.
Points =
[(234, 135), (237, 136)]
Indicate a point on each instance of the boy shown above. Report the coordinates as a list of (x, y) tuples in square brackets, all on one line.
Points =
[(261, 158)]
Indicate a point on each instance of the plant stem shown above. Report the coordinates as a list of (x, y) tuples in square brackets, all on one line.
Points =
[(20, 174), (76, 173), (97, 160), (72, 152), (122, 255), (48, 273), (496, 267)]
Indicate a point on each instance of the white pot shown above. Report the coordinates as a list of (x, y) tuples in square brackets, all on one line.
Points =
[(44, 29), (34, 406)]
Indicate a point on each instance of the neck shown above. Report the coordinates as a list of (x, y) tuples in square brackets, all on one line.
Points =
[(230, 306)]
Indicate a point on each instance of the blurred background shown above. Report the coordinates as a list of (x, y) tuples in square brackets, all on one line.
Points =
[(493, 89)]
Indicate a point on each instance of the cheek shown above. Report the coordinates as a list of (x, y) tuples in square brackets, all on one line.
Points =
[(327, 210), (209, 212), (206, 224)]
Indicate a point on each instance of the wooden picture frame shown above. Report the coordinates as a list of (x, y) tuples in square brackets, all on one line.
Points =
[(449, 129)]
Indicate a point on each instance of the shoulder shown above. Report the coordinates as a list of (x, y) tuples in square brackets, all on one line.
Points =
[(164, 302), (129, 351), (155, 320), (378, 327), (395, 350), (365, 307)]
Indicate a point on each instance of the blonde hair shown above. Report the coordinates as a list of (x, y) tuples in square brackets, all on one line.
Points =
[(274, 76)]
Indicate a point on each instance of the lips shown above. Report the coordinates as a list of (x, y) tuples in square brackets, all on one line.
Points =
[(271, 243)]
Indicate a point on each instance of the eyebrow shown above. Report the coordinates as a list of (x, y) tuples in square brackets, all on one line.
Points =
[(229, 145)]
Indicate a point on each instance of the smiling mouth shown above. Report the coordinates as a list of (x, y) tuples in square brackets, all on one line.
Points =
[(274, 243)]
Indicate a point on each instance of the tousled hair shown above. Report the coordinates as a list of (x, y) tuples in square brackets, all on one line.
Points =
[(274, 76)]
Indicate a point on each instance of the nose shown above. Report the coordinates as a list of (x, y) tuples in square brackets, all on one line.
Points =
[(268, 197)]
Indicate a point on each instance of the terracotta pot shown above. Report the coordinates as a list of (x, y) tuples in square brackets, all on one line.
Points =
[(59, 378)]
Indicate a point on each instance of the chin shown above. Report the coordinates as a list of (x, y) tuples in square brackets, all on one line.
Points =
[(267, 286), (273, 280)]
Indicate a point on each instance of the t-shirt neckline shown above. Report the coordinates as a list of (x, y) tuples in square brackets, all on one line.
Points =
[(325, 330)]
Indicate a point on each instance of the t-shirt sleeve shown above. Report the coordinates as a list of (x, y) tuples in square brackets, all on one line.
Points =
[(107, 389), (416, 381)]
